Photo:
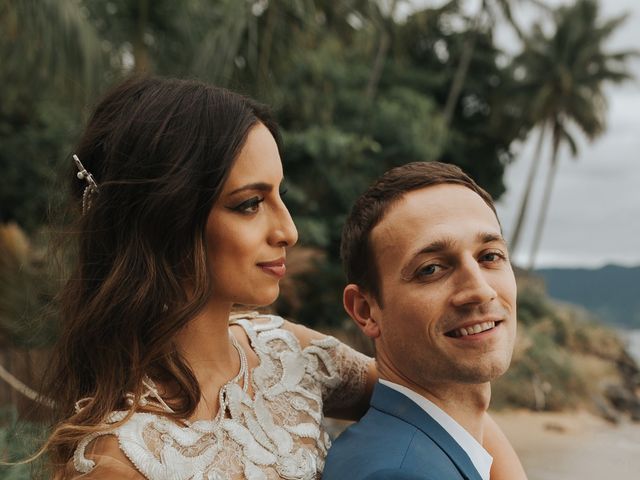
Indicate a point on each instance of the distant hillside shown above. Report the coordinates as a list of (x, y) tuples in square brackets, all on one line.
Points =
[(612, 292), (564, 359)]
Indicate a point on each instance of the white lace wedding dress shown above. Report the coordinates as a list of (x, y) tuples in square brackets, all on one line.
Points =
[(276, 434)]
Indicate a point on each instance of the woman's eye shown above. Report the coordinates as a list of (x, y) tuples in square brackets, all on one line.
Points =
[(283, 191), (249, 206)]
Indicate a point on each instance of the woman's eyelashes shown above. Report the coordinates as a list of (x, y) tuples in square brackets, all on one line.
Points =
[(249, 206), (252, 205)]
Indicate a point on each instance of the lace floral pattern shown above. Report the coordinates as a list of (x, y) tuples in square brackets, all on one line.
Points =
[(276, 434)]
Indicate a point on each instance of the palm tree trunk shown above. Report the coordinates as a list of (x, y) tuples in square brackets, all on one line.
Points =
[(378, 65), (524, 202), (267, 42), (140, 49), (544, 208), (381, 56), (459, 78)]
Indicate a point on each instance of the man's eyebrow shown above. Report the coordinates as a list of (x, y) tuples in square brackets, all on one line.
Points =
[(260, 186), (433, 247), (447, 243), (488, 237)]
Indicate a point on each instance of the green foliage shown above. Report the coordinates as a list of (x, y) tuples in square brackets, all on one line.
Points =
[(533, 305), (356, 92), (48, 45), (486, 120), (51, 61), (17, 443), (33, 145), (321, 303), (26, 292)]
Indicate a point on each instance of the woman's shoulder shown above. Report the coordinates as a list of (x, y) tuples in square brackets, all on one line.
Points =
[(131, 444), (256, 324), (100, 456)]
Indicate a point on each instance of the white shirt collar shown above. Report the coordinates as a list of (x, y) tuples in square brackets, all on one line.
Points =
[(478, 455)]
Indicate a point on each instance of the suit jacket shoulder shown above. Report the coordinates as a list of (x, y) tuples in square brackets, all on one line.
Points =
[(397, 439)]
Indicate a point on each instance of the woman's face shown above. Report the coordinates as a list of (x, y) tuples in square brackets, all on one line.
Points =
[(249, 227)]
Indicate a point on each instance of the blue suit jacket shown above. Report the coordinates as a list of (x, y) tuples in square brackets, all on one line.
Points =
[(397, 439)]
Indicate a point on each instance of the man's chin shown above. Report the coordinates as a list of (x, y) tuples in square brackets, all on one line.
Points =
[(481, 374)]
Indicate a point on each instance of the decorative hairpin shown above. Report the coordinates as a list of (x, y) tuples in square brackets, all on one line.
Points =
[(90, 189)]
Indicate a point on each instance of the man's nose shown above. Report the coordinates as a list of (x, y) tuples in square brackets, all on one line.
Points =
[(472, 285)]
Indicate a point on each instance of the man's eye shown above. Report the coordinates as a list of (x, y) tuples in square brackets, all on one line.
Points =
[(492, 257), (249, 206), (428, 270)]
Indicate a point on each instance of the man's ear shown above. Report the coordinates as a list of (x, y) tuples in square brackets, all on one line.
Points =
[(360, 307)]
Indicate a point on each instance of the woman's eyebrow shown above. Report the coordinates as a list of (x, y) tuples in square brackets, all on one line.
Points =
[(260, 186)]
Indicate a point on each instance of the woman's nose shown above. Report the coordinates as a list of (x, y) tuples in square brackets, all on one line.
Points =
[(285, 233)]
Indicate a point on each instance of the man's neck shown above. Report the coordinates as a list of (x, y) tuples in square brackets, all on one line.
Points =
[(465, 403)]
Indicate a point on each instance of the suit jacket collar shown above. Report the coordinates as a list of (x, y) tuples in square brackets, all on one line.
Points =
[(398, 405)]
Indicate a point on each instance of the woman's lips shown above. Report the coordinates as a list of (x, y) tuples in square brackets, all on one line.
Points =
[(277, 268)]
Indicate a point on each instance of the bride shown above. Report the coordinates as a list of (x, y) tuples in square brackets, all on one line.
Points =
[(180, 218)]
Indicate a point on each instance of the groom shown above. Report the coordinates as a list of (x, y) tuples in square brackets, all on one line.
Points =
[(429, 280)]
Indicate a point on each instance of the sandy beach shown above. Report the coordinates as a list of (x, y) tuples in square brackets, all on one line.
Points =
[(572, 446)]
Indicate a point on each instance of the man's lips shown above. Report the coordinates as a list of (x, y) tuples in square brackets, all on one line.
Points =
[(470, 329), (275, 267)]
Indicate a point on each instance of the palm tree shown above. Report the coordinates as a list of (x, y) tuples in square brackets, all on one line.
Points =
[(484, 19), (49, 42), (385, 24), (256, 35), (564, 74)]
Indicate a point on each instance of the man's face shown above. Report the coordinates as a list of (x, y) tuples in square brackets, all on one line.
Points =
[(448, 292)]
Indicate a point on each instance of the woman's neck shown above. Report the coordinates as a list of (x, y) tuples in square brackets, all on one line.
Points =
[(204, 343), (214, 360)]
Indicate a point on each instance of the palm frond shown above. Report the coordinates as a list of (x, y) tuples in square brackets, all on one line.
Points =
[(52, 41)]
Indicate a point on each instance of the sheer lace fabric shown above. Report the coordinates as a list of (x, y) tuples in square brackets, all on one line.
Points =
[(276, 434)]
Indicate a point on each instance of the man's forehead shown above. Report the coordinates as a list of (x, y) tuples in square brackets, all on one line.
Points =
[(437, 210)]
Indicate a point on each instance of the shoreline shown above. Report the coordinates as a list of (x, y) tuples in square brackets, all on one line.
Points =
[(572, 445)]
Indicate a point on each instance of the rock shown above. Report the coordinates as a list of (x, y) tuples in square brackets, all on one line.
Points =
[(606, 411)]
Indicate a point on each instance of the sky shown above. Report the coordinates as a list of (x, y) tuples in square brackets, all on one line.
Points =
[(594, 215)]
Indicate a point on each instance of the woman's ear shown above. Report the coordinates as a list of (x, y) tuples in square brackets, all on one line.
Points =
[(361, 307)]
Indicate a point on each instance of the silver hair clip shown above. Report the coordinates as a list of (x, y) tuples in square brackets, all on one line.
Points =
[(90, 189)]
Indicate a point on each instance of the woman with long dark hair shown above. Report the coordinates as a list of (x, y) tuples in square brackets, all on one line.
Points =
[(180, 217)]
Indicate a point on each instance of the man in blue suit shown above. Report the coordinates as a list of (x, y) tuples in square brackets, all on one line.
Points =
[(429, 280)]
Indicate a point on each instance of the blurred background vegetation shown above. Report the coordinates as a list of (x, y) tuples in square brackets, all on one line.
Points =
[(357, 88)]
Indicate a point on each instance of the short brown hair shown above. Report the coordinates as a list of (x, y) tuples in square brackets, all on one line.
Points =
[(370, 208)]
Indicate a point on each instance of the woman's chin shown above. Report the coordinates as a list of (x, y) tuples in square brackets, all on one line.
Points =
[(263, 299)]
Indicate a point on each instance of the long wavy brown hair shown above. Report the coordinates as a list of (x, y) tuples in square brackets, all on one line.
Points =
[(160, 151)]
